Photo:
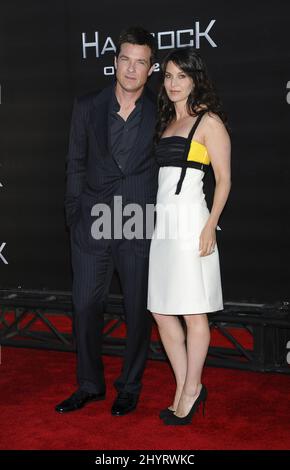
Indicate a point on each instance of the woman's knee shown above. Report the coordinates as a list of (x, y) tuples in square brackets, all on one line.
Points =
[(196, 321), (162, 321)]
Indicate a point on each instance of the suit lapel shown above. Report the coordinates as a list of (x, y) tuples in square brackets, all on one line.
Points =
[(147, 118), (100, 119)]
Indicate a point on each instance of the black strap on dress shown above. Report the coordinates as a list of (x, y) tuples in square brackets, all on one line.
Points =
[(186, 151)]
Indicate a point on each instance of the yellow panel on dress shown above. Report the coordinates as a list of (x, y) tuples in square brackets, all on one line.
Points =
[(198, 153)]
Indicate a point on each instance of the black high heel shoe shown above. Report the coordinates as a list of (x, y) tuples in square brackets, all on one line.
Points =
[(176, 421), (166, 412)]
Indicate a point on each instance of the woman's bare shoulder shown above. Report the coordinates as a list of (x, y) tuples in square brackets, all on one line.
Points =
[(212, 119)]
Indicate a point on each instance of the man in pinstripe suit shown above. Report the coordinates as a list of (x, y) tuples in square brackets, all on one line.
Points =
[(110, 154)]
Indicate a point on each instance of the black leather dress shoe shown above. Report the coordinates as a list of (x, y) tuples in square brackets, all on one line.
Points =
[(124, 403), (78, 400)]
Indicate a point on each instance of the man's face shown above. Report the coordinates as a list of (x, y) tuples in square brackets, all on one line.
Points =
[(133, 66)]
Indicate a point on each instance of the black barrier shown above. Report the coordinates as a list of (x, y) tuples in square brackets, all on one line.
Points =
[(42, 319)]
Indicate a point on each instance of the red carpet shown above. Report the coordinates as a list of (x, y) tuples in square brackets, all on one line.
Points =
[(245, 410)]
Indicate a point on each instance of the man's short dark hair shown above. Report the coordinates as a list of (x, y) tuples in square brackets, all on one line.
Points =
[(139, 36)]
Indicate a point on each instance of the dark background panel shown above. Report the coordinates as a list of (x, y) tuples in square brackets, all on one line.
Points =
[(42, 69)]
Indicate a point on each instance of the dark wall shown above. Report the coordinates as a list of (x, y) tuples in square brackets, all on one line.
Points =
[(42, 68)]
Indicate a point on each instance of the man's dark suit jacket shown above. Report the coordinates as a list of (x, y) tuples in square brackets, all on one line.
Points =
[(93, 176)]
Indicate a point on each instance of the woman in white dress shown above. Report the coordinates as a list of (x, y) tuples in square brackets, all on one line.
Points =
[(184, 271)]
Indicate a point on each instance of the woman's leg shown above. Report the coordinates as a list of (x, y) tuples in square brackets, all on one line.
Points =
[(198, 338), (173, 339)]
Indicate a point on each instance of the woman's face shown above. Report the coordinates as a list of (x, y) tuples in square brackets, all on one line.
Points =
[(177, 84)]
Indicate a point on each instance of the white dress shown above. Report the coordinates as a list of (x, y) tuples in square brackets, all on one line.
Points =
[(180, 280)]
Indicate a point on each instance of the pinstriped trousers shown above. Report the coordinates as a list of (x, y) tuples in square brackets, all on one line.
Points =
[(92, 274)]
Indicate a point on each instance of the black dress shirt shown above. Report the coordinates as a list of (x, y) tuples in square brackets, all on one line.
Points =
[(123, 134)]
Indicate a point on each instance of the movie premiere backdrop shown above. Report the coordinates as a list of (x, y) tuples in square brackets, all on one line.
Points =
[(52, 51)]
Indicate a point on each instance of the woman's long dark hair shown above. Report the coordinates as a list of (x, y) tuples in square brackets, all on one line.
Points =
[(203, 95)]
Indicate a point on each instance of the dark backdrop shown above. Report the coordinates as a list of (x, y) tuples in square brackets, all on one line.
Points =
[(42, 68)]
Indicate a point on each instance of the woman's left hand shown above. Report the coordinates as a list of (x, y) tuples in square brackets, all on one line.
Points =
[(207, 241)]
